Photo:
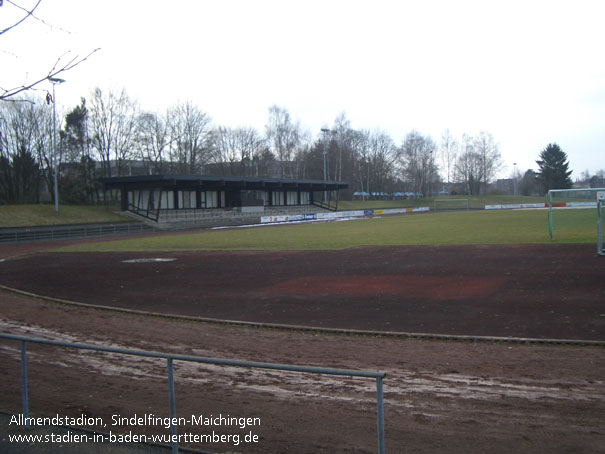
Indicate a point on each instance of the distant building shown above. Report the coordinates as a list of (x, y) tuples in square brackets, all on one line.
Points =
[(504, 186)]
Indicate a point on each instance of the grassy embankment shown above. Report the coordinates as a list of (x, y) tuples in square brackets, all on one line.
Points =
[(41, 215)]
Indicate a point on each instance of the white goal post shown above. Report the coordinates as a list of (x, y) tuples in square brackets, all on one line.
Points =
[(452, 204), (600, 205), (586, 200)]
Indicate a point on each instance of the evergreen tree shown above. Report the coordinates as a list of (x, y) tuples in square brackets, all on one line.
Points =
[(554, 173), (79, 180)]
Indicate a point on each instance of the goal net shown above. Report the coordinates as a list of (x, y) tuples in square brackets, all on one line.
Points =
[(575, 214), (451, 204)]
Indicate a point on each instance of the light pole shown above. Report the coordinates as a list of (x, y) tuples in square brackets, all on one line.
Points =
[(514, 178), (325, 132), (55, 81)]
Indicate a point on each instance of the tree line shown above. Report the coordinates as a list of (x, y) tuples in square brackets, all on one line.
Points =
[(108, 134)]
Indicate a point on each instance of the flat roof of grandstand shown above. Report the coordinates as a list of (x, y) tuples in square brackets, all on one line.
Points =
[(214, 182)]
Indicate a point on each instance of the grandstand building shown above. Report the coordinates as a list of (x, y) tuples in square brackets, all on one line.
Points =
[(178, 200)]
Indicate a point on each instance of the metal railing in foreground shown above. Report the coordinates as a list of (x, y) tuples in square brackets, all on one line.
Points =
[(170, 358)]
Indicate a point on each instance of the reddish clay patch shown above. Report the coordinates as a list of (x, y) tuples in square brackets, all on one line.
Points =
[(433, 288)]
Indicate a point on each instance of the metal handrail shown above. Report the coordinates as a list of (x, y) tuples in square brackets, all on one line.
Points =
[(170, 357)]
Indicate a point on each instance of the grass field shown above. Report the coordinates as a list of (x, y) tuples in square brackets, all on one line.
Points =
[(39, 215), (45, 215), (475, 227)]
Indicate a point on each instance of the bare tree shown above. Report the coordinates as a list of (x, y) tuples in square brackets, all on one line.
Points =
[(24, 150), (235, 150), (363, 160), (468, 166), (191, 132), (418, 162), (449, 152), (152, 142), (376, 154), (284, 137), (50, 158), (383, 153), (489, 156), (112, 125), (342, 150), (361, 152), (341, 136)]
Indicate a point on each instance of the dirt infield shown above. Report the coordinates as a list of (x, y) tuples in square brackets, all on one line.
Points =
[(541, 291), (440, 397)]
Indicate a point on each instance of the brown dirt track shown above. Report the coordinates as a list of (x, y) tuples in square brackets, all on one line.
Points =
[(439, 396), (521, 291)]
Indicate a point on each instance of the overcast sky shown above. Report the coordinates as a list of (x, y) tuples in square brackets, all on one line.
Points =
[(528, 72)]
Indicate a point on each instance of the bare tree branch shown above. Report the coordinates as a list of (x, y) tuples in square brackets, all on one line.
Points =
[(57, 69), (30, 13), (33, 16)]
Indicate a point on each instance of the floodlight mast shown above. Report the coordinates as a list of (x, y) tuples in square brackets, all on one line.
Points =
[(325, 132), (55, 81)]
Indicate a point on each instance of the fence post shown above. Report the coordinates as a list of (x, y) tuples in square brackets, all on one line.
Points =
[(380, 404), (24, 396), (600, 228), (175, 446)]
